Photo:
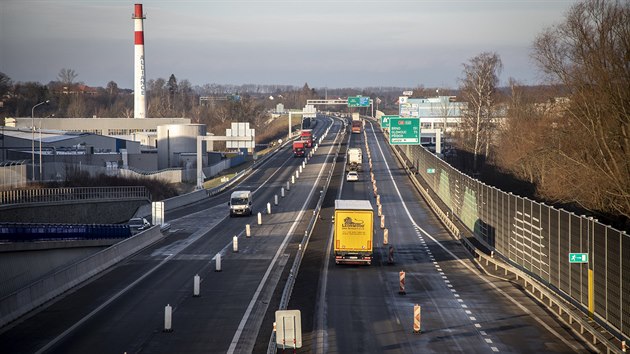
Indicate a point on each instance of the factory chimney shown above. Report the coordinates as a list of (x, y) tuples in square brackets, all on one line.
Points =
[(139, 82)]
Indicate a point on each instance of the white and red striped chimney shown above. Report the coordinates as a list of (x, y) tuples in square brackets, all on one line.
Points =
[(139, 82)]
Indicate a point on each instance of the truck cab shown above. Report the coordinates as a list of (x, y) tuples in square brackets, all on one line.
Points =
[(306, 135), (240, 203), (299, 149)]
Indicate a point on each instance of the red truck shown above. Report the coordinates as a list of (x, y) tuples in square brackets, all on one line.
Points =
[(299, 149), (306, 135)]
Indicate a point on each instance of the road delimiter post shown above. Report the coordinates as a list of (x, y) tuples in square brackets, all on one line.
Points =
[(235, 244), (401, 289), (168, 318), (259, 218), (282, 192), (268, 208), (248, 231), (275, 199), (390, 255), (218, 263), (382, 221), (196, 285), (385, 236)]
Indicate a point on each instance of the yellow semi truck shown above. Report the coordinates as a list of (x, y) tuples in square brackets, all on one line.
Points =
[(354, 231)]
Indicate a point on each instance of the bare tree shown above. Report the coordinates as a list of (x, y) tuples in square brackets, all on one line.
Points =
[(588, 53), (478, 88), (67, 76)]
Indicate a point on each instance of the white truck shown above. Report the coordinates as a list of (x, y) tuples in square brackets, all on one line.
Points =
[(240, 203), (355, 159)]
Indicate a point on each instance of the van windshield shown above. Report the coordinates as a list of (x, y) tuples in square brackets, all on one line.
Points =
[(239, 201)]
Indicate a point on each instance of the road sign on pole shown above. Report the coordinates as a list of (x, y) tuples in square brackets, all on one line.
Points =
[(404, 131), (578, 257), (385, 120), (358, 101)]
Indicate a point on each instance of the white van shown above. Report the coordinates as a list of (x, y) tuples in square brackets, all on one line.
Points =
[(240, 203)]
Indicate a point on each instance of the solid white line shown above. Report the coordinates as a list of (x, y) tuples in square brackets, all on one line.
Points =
[(514, 301), (261, 285)]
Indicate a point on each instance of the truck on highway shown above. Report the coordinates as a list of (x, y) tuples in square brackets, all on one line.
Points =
[(356, 126), (306, 135), (299, 149), (355, 117), (353, 231), (355, 159)]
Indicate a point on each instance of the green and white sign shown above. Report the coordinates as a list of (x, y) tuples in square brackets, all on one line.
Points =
[(578, 257), (358, 101), (430, 170), (385, 120), (404, 131)]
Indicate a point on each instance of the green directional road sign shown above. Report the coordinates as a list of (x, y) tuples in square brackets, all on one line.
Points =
[(578, 257), (358, 101), (385, 120), (404, 131), (430, 170)]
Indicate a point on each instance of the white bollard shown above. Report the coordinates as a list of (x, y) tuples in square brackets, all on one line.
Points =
[(297, 174), (235, 244), (168, 318), (259, 218), (218, 263), (288, 185), (248, 231), (268, 208), (282, 192), (300, 169), (304, 164), (275, 199), (196, 285), (293, 179)]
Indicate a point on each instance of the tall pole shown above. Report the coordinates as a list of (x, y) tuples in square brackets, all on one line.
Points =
[(139, 88), (33, 139)]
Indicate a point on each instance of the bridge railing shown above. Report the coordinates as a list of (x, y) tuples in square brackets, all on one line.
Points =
[(69, 194)]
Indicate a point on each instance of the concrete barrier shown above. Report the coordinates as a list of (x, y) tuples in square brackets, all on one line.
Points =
[(26, 299)]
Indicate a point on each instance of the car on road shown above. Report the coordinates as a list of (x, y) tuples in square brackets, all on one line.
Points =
[(352, 176), (138, 224)]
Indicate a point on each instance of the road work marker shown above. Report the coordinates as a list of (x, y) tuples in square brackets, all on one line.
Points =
[(417, 318), (196, 285), (382, 221), (235, 244), (390, 255), (401, 289), (168, 318), (380, 209), (248, 231), (385, 236)]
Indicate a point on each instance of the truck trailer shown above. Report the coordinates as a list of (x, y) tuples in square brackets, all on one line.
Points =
[(299, 148), (353, 231), (355, 159), (306, 135)]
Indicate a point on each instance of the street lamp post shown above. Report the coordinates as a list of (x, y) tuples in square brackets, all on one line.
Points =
[(33, 138)]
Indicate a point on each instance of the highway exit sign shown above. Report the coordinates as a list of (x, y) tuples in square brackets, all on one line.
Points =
[(358, 101), (578, 257), (385, 120), (404, 131)]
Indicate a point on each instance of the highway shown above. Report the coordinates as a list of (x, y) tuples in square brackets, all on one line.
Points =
[(345, 309)]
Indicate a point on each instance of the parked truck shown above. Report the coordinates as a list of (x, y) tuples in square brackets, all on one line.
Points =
[(299, 149), (306, 135), (353, 231), (355, 159)]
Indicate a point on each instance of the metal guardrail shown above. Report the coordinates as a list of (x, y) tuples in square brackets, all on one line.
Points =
[(69, 194)]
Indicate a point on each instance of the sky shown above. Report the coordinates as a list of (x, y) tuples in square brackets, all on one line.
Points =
[(325, 43)]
